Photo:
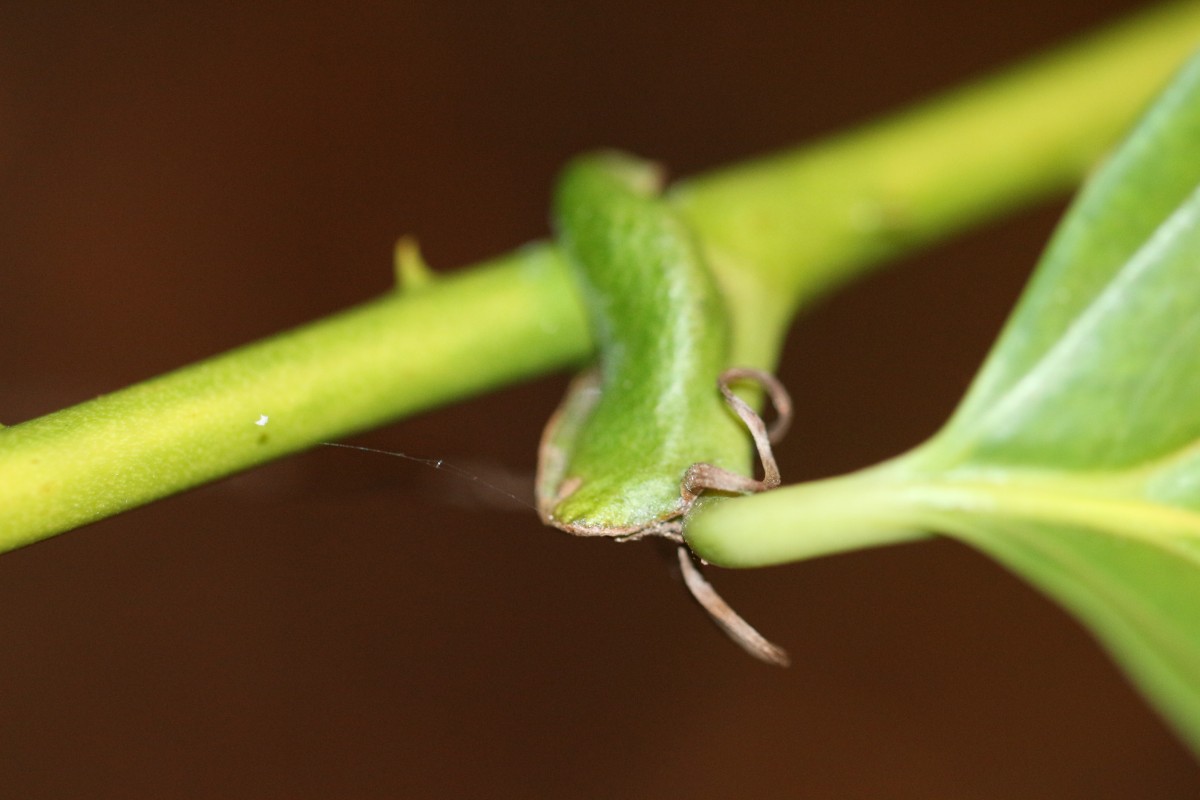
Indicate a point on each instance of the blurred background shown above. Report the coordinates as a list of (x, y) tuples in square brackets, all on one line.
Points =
[(178, 179)]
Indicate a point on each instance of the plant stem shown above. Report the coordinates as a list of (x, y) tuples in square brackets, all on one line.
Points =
[(812, 219), (781, 230), (509, 319)]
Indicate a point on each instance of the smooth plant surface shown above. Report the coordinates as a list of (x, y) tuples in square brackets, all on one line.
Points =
[(1075, 457), (863, 197), (1072, 460), (612, 459)]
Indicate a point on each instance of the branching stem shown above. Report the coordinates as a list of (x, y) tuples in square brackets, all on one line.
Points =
[(781, 231)]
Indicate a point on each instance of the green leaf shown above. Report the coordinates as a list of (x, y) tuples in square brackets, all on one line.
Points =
[(1075, 457)]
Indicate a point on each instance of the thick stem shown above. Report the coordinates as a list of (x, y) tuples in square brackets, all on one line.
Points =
[(812, 219), (403, 353), (781, 230)]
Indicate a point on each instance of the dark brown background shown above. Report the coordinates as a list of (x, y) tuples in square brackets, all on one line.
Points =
[(177, 179)]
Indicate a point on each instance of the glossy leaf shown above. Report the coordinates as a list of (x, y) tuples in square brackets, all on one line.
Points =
[(1075, 458)]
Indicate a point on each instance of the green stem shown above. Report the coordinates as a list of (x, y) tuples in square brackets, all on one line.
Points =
[(781, 230), (509, 319), (812, 219)]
